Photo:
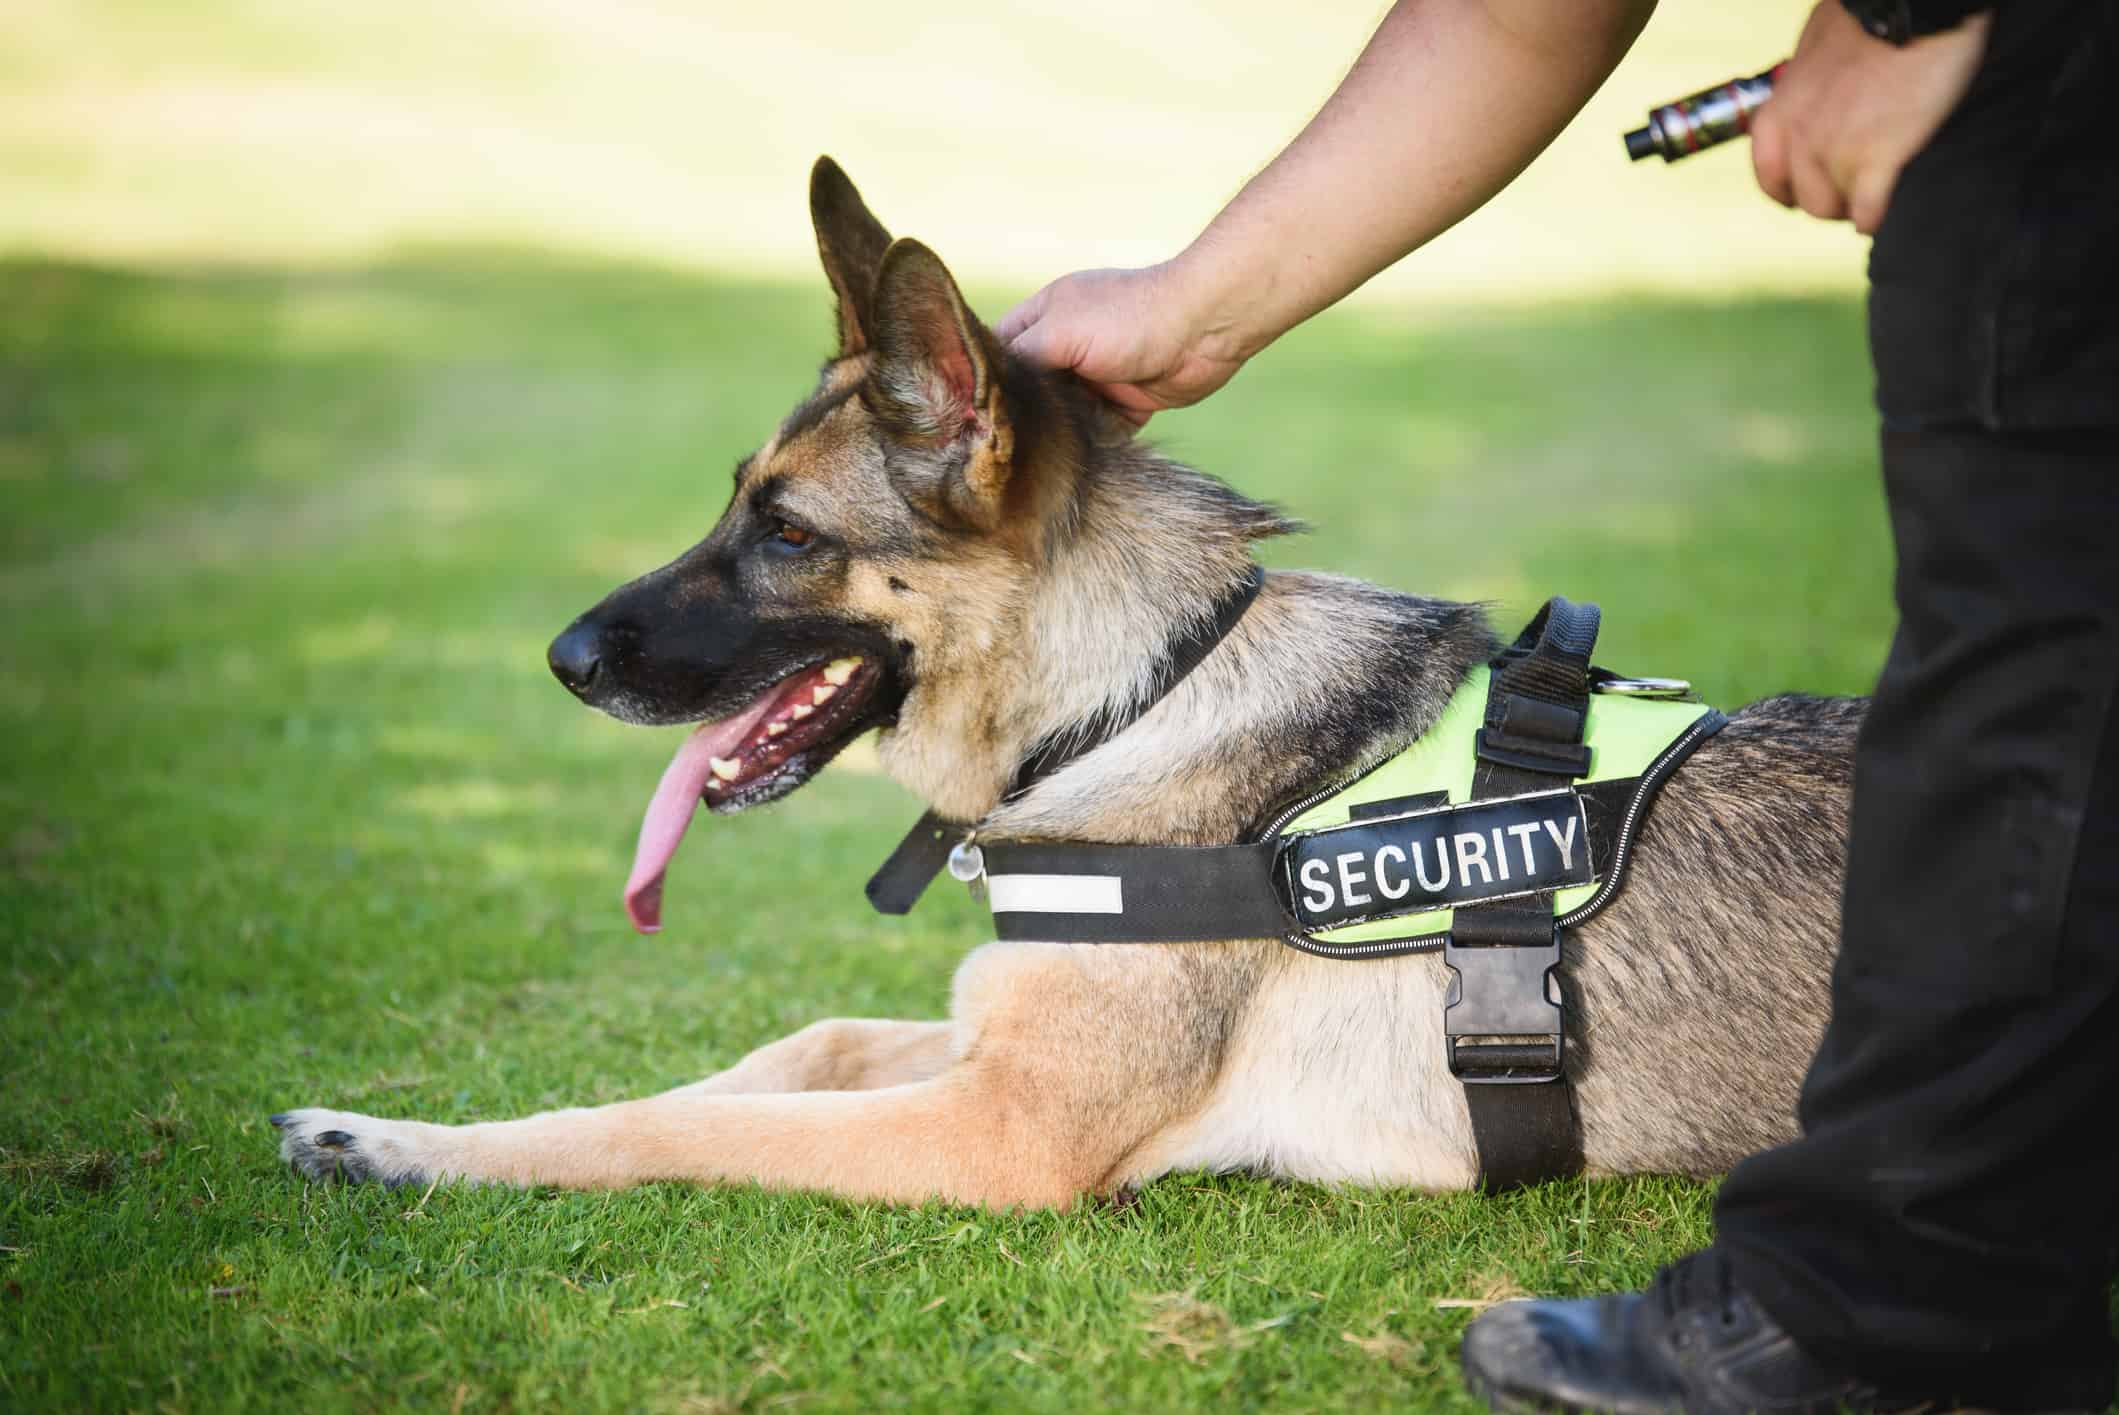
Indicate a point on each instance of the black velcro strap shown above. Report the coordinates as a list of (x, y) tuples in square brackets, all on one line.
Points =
[(1132, 893)]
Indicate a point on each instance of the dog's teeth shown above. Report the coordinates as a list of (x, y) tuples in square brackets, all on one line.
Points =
[(801, 711), (837, 672), (724, 767), (821, 694), (774, 729)]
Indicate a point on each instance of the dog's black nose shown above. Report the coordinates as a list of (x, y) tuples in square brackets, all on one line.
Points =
[(575, 656)]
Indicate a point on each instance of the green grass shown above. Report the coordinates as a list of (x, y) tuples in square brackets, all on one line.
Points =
[(290, 813)]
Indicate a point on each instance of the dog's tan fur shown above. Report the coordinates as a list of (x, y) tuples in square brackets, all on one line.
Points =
[(1034, 564)]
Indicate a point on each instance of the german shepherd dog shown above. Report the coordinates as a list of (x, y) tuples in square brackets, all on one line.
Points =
[(976, 557)]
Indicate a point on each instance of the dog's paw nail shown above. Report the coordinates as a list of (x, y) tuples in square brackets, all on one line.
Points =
[(279, 1122), (377, 1152)]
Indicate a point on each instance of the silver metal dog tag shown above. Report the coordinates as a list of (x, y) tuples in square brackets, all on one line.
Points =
[(968, 863)]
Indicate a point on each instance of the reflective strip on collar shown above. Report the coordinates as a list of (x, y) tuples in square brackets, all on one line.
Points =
[(1055, 894)]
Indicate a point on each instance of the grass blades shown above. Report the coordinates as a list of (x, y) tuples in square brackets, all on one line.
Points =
[(291, 813)]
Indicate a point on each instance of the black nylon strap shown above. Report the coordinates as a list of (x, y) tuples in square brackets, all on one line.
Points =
[(1537, 704), (1181, 893), (1550, 658), (904, 877), (1525, 1134), (1171, 893), (1505, 955)]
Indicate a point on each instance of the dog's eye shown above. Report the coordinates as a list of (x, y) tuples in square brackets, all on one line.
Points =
[(791, 536)]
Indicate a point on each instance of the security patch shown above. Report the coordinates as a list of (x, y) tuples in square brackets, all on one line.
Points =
[(1379, 868)]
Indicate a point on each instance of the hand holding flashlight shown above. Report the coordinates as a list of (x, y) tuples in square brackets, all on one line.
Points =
[(1708, 117), (1847, 113)]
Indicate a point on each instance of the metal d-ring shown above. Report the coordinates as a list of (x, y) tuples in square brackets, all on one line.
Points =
[(1673, 688)]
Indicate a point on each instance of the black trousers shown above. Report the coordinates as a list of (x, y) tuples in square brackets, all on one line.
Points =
[(1949, 1222)]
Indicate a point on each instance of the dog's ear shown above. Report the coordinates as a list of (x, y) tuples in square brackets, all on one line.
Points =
[(936, 385), (850, 242)]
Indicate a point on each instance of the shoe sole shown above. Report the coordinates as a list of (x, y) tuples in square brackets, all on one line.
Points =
[(1509, 1402)]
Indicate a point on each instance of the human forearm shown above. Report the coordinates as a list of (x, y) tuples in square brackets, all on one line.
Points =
[(1449, 101)]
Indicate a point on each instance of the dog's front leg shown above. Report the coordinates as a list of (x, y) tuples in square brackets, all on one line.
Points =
[(843, 1054), (967, 1136), (1061, 1062)]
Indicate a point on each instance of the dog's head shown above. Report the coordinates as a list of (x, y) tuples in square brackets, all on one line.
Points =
[(859, 553)]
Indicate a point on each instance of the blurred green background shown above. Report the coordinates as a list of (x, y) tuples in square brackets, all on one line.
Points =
[(1019, 139), (346, 352)]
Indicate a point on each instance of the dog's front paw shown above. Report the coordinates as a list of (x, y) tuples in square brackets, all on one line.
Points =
[(337, 1144)]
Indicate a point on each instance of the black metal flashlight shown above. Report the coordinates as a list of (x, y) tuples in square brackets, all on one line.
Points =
[(1713, 115)]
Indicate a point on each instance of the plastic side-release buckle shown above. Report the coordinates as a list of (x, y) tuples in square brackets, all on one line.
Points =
[(1503, 1020)]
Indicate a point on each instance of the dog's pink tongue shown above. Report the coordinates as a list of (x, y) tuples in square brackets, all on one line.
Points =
[(669, 814)]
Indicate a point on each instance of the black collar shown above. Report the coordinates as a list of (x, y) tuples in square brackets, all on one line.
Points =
[(1187, 652), (895, 887)]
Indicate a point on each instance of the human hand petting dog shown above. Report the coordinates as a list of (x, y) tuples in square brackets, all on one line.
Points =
[(1136, 336), (1849, 111), (1414, 141)]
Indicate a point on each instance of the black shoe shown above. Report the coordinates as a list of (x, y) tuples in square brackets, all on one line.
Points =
[(1692, 1342)]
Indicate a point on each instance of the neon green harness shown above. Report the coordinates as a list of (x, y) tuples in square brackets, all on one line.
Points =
[(1625, 736), (1507, 823)]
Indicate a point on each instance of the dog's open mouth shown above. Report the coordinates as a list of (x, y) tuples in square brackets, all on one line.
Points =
[(758, 755)]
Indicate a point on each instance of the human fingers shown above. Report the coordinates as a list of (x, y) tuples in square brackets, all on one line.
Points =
[(1040, 344), (1769, 156), (1817, 191), (1025, 314), (1872, 198)]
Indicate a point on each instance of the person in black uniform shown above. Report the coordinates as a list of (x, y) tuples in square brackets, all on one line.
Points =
[(1944, 1230)]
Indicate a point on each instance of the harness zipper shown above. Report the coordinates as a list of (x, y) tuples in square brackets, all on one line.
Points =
[(1303, 943)]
